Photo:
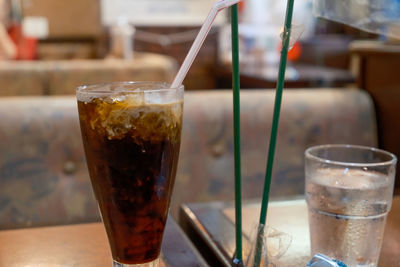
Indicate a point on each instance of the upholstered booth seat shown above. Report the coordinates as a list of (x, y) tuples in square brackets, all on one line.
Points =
[(43, 175)]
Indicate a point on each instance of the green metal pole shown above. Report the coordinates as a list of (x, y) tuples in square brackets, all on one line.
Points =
[(274, 130), (236, 128)]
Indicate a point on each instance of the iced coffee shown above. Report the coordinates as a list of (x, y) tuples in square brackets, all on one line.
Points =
[(131, 134)]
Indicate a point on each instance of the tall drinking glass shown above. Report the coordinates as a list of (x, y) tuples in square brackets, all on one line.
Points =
[(131, 134), (349, 194)]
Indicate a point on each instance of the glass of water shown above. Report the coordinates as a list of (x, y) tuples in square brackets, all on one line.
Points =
[(349, 193)]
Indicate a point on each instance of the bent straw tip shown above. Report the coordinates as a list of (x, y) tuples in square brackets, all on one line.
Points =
[(226, 3), (218, 6)]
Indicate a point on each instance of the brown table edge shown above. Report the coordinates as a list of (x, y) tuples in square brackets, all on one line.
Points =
[(168, 251)]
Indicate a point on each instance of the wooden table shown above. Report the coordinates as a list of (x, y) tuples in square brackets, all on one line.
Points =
[(211, 228), (84, 245)]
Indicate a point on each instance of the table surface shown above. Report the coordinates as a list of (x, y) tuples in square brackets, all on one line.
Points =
[(84, 245), (212, 224), (374, 47), (297, 76)]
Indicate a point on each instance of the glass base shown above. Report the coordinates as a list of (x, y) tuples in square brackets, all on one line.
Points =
[(154, 263), (268, 246)]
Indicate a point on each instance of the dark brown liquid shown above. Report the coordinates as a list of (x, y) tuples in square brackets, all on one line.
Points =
[(132, 164)]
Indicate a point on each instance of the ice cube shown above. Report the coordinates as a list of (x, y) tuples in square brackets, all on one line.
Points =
[(153, 98), (117, 98)]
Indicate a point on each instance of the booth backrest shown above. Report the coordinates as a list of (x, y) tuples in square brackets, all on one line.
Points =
[(44, 179)]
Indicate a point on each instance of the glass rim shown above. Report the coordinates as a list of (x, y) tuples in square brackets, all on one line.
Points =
[(91, 88), (392, 161)]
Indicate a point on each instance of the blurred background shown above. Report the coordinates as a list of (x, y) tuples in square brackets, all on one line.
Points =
[(43, 30), (49, 47)]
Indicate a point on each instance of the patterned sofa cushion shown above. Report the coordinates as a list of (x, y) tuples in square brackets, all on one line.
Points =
[(308, 117), (43, 175)]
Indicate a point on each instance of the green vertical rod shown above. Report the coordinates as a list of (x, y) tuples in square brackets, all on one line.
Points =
[(274, 129), (236, 130)]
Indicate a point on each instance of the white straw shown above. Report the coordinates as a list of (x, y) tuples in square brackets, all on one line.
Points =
[(201, 36)]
